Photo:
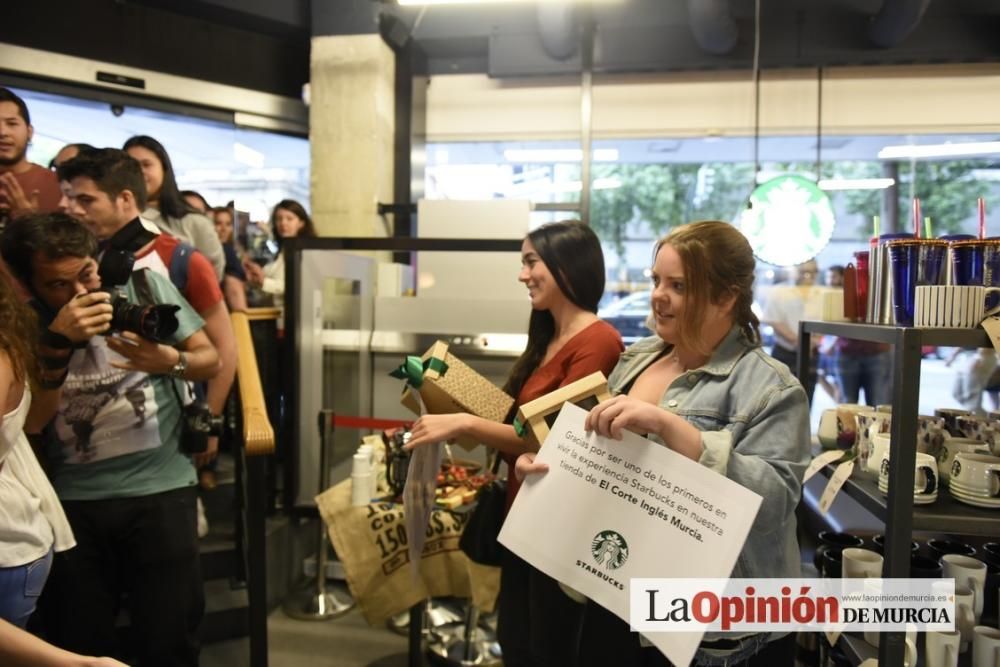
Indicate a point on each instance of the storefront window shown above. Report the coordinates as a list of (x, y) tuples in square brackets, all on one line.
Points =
[(643, 188), (224, 163)]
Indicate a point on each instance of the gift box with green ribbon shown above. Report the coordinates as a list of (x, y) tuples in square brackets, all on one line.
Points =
[(446, 385)]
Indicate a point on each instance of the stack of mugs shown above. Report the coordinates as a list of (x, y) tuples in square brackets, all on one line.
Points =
[(976, 573)]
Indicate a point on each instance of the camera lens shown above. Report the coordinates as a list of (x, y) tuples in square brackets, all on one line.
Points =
[(153, 322)]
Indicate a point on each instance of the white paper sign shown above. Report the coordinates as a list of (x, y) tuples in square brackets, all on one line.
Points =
[(609, 511)]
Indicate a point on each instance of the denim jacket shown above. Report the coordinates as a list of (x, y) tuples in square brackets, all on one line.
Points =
[(754, 420)]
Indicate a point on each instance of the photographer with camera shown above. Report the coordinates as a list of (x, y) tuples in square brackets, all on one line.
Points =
[(106, 192), (127, 489)]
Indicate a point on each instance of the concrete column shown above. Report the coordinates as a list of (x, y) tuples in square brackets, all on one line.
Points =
[(351, 133)]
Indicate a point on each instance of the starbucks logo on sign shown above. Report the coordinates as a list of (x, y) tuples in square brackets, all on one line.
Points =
[(609, 549)]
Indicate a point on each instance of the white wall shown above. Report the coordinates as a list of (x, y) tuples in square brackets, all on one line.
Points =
[(856, 100)]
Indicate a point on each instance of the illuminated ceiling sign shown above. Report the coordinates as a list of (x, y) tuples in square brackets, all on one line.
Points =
[(789, 221)]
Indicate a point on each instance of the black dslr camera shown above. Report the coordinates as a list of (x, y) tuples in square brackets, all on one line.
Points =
[(154, 322), (199, 425)]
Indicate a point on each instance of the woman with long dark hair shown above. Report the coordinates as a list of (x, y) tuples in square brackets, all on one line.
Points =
[(288, 220), (166, 205), (562, 266)]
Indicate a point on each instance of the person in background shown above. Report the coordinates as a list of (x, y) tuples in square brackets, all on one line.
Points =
[(856, 365), (975, 369), (234, 283), (786, 306), (32, 522), (826, 371), (167, 208), (288, 220), (196, 201), (562, 266), (25, 187), (67, 153), (704, 387)]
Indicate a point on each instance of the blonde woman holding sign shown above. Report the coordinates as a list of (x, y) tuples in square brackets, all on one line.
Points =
[(704, 387)]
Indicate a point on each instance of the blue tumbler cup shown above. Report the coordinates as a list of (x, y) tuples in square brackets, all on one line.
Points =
[(913, 262)]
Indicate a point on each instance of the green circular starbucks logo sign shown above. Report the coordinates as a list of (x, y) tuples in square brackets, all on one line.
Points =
[(789, 221), (609, 549)]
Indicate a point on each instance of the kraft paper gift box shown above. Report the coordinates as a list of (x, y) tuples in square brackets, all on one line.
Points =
[(538, 415), (446, 384)]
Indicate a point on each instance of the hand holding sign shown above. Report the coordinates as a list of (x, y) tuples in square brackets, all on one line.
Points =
[(638, 510)]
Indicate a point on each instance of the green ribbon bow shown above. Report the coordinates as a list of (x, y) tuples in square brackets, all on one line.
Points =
[(413, 368)]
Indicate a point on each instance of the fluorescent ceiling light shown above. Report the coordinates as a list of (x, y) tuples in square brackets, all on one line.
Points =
[(529, 155), (906, 152), (856, 183)]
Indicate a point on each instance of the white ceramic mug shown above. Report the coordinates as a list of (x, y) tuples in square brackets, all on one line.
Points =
[(986, 647), (925, 477), (879, 451), (954, 446), (961, 306), (941, 649), (976, 473), (860, 564), (965, 614), (827, 431), (967, 571), (870, 423)]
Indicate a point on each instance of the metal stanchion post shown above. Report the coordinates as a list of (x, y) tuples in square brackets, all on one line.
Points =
[(317, 603)]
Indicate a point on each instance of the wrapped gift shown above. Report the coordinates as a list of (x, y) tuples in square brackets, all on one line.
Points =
[(538, 415), (447, 385)]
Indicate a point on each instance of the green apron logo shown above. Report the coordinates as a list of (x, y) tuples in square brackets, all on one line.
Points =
[(609, 549)]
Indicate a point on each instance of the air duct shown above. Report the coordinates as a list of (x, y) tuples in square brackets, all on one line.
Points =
[(557, 25), (713, 25), (895, 20)]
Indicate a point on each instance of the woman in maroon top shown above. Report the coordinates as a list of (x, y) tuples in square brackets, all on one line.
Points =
[(563, 268)]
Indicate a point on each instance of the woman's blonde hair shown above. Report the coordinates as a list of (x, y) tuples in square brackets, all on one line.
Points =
[(718, 263)]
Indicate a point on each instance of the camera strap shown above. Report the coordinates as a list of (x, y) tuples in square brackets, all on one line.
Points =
[(177, 394), (132, 237)]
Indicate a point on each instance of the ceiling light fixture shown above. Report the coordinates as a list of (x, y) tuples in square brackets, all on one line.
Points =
[(830, 184), (907, 152), (544, 155)]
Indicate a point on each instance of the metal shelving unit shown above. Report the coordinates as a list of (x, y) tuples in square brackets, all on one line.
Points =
[(897, 510), (945, 515)]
